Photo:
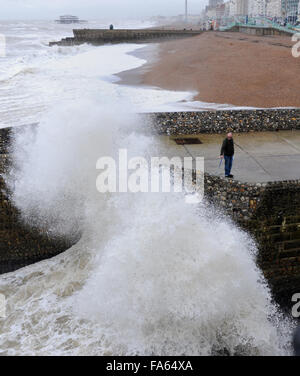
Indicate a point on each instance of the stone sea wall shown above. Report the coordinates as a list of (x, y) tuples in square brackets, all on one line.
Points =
[(20, 243), (271, 214), (175, 123), (103, 36)]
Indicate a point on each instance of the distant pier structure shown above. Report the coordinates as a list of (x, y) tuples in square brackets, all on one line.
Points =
[(68, 19)]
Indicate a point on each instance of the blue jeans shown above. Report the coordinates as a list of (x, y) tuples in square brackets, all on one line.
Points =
[(228, 164)]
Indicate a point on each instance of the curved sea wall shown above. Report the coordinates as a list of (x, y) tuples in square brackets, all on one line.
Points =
[(269, 211), (21, 244)]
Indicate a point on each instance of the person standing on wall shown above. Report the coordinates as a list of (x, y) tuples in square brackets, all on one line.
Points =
[(227, 152)]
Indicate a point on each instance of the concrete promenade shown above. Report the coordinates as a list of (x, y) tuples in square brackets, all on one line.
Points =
[(259, 157)]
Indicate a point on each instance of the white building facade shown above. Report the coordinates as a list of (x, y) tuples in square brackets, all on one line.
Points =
[(232, 8), (273, 8), (257, 8), (280, 9), (242, 7)]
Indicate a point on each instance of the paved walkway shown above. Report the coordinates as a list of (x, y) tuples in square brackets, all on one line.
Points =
[(259, 157)]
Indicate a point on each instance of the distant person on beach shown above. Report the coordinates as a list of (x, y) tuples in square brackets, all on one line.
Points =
[(227, 152), (111, 27)]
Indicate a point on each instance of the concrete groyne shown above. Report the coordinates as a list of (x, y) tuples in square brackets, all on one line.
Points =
[(269, 211), (103, 36)]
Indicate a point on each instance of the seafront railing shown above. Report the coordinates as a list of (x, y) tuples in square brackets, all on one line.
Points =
[(264, 23)]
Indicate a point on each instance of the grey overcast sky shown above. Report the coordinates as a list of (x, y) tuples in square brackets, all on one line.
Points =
[(95, 9)]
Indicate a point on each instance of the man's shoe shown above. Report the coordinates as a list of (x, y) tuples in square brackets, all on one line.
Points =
[(227, 176), (231, 176)]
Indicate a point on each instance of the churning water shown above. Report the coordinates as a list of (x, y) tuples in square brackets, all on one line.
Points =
[(150, 274), (35, 77)]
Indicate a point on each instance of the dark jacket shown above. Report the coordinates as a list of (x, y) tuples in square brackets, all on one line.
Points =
[(227, 148)]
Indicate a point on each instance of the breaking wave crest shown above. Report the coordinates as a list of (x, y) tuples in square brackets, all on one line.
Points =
[(150, 274)]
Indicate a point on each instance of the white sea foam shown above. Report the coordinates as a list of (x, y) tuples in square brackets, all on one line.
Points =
[(35, 77), (150, 275)]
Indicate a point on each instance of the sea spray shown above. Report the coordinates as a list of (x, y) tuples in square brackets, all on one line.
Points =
[(150, 274), (170, 281)]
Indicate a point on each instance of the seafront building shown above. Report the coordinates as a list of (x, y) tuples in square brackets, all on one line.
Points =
[(257, 8), (278, 10), (214, 3), (213, 10), (289, 9), (232, 5), (273, 8)]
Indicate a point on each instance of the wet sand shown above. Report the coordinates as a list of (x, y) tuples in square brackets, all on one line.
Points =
[(227, 68), (134, 77)]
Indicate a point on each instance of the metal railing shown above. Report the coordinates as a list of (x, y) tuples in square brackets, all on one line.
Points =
[(261, 22)]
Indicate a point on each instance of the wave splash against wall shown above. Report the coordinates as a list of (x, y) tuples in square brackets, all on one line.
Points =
[(150, 275)]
